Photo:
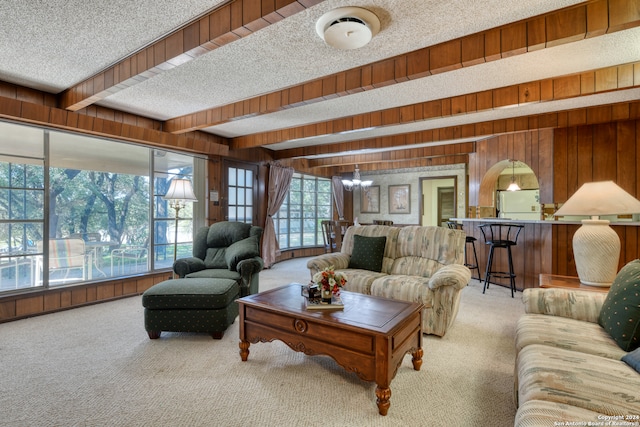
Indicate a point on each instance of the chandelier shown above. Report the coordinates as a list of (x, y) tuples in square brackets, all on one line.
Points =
[(356, 182)]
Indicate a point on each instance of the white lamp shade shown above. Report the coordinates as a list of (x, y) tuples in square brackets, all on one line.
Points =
[(180, 189), (513, 187), (600, 198)]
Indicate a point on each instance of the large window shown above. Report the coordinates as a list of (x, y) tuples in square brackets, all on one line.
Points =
[(307, 204), (168, 166), (76, 208)]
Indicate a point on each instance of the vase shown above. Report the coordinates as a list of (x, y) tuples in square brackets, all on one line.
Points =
[(326, 296)]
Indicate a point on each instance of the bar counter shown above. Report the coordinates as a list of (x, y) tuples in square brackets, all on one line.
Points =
[(544, 247)]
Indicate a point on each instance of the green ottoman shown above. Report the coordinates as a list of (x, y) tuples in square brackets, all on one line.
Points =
[(190, 305)]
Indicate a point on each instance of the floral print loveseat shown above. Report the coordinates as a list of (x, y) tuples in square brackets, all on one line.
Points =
[(419, 264), (576, 362)]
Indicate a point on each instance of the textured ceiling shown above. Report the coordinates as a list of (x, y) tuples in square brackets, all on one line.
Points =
[(57, 44)]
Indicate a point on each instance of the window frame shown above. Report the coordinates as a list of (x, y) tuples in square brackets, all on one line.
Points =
[(301, 219)]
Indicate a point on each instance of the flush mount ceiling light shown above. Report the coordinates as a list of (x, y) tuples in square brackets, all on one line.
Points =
[(348, 27)]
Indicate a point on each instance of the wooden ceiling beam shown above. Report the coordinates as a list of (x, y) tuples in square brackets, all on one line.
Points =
[(552, 29), (45, 115), (227, 23), (588, 83), (569, 118), (387, 156)]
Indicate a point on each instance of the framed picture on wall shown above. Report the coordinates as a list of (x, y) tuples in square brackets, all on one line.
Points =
[(400, 199), (370, 199)]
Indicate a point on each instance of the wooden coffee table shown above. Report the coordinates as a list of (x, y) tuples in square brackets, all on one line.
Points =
[(369, 337)]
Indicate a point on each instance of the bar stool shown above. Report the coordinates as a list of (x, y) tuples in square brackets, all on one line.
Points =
[(501, 236), (468, 240)]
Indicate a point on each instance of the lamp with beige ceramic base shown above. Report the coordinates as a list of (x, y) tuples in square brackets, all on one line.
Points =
[(596, 246)]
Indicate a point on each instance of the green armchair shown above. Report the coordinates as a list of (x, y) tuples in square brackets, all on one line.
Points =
[(225, 250)]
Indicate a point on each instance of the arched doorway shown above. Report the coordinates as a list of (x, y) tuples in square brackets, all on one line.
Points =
[(497, 179)]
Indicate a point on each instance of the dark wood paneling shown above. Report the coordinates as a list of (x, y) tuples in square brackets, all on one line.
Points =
[(13, 307), (608, 151), (529, 256)]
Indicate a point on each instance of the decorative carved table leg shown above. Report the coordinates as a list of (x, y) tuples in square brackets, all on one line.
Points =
[(417, 359), (383, 394), (244, 350)]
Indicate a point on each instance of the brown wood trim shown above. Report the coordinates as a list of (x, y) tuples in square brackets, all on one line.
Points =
[(444, 154), (27, 112), (588, 83), (578, 117), (554, 28), (44, 301), (229, 22)]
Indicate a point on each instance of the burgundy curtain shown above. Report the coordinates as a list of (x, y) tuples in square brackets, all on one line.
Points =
[(338, 195), (279, 182)]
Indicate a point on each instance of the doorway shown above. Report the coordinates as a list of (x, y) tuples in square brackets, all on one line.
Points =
[(446, 205), (438, 200), (240, 186)]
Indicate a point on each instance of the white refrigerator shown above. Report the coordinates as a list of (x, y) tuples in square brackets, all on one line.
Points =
[(523, 204)]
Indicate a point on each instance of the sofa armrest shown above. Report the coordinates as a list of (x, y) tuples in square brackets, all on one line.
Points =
[(338, 260), (247, 269), (456, 275), (250, 266), (184, 266), (578, 305)]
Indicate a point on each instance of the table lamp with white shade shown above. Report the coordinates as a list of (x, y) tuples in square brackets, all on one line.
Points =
[(596, 247), (179, 194)]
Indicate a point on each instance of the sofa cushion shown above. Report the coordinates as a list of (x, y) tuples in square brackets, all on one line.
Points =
[(367, 253), (543, 413), (391, 233), (220, 273), (360, 280), (242, 249), (404, 288), (215, 258), (562, 332), (633, 359), (187, 294), (620, 314), (224, 233), (569, 377)]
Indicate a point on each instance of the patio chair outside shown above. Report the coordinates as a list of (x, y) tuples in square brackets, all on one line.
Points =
[(65, 256)]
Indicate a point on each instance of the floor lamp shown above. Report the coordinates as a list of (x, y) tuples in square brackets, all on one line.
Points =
[(596, 246), (179, 194)]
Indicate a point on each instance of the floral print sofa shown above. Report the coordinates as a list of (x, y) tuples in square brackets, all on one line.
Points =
[(418, 264), (576, 363)]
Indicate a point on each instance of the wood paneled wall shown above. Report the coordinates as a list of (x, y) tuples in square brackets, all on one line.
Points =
[(61, 298), (609, 151), (531, 256), (535, 148), (601, 152)]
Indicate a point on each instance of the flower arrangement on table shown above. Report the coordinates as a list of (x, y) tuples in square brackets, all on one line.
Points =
[(329, 280)]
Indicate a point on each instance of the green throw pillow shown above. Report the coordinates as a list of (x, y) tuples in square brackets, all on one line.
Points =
[(242, 249), (367, 252), (620, 314)]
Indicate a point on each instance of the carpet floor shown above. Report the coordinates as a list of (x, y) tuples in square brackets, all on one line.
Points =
[(95, 366)]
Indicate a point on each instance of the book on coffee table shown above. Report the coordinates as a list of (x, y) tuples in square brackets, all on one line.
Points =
[(317, 304)]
